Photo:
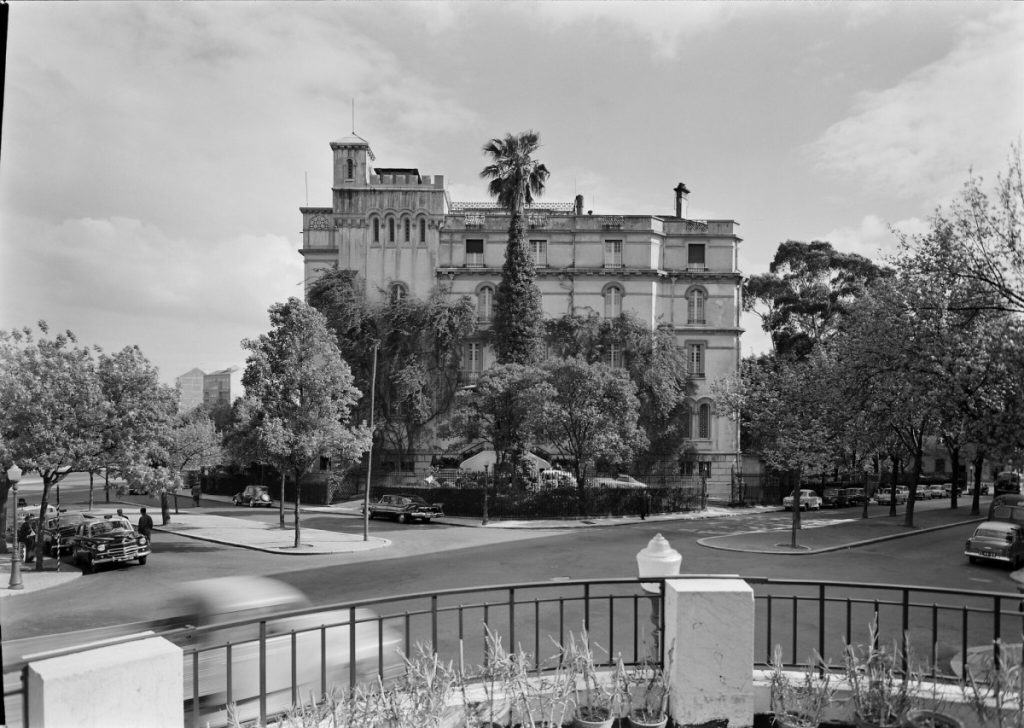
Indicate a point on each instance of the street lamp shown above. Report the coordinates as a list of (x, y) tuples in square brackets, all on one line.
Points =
[(13, 476), (484, 520), (658, 559)]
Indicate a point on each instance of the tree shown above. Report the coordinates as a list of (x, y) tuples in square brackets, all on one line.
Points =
[(502, 410), (302, 389), (515, 179), (808, 290), (976, 246), (51, 406), (653, 363), (139, 408), (420, 345), (593, 412)]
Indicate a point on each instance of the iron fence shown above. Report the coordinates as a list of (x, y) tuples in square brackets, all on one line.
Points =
[(264, 665)]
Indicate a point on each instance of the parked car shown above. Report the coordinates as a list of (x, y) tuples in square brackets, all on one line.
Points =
[(937, 491), (852, 496), (253, 496), (885, 496), (552, 478), (830, 498), (999, 541), (58, 528), (809, 501), (107, 540), (405, 508), (1009, 507), (294, 648)]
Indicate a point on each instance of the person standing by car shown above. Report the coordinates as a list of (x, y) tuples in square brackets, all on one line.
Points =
[(145, 524), (27, 536)]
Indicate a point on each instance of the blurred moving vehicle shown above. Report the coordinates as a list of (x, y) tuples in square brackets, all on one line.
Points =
[(253, 496), (551, 478), (619, 481), (405, 508), (1000, 541), (304, 651), (809, 501), (1007, 482), (852, 496)]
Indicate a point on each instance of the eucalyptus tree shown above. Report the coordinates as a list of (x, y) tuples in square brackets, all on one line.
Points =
[(515, 179), (302, 390), (653, 363), (975, 245), (808, 290)]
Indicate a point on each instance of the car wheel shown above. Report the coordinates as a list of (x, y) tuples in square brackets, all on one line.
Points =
[(142, 561), (402, 518), (426, 520)]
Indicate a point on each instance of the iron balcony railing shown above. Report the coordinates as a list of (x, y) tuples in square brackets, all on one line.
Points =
[(264, 665)]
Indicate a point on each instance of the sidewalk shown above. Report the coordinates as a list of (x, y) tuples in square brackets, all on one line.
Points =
[(817, 535)]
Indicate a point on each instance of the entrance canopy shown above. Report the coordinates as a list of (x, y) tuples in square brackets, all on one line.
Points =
[(489, 458)]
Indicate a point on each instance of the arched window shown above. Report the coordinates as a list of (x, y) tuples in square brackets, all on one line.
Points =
[(485, 304), (696, 300), (398, 292), (423, 231), (351, 169), (612, 302), (376, 230), (391, 229), (408, 231), (704, 422)]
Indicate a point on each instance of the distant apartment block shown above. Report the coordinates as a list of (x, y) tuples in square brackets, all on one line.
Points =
[(197, 388), (190, 389)]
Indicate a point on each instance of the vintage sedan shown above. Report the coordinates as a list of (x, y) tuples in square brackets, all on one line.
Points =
[(405, 508), (809, 501), (999, 541), (852, 496), (107, 540), (58, 530), (253, 496)]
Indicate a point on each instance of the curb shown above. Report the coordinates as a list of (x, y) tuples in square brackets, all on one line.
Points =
[(380, 543), (826, 549)]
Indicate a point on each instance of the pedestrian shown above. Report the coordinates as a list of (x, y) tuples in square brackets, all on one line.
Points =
[(644, 505), (196, 493), (145, 524), (27, 536), (120, 513)]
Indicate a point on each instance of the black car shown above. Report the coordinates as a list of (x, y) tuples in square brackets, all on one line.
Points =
[(253, 496), (830, 498)]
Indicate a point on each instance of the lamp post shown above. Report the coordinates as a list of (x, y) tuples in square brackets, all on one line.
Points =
[(657, 559), (13, 476)]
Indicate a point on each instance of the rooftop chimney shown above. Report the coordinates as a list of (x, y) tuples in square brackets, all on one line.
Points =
[(682, 194), (579, 204)]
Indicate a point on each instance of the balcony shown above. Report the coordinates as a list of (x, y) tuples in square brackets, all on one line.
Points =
[(733, 623)]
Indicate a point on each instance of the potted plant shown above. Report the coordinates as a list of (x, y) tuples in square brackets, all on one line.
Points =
[(592, 701), (800, 703), (880, 692), (647, 691)]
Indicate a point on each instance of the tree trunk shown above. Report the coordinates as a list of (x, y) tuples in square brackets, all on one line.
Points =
[(48, 481), (280, 507), (795, 490), (298, 525), (90, 490), (954, 461), (165, 508), (5, 491), (908, 519), (106, 483), (979, 462)]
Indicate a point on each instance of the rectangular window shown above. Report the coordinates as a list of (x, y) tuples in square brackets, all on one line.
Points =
[(704, 422), (686, 468), (695, 257), (695, 358), (704, 469), (539, 250), (696, 308), (474, 360), (615, 356), (475, 253), (612, 253)]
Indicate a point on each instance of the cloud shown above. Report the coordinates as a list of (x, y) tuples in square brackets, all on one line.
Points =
[(920, 137), (874, 238)]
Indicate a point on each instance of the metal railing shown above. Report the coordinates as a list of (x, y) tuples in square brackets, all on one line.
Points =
[(267, 664)]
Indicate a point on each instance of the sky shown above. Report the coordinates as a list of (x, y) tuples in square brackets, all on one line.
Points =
[(155, 155)]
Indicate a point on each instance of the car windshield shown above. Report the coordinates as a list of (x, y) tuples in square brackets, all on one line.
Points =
[(415, 500), (996, 534), (98, 529)]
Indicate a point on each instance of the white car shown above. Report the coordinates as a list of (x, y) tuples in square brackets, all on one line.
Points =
[(809, 501), (937, 491)]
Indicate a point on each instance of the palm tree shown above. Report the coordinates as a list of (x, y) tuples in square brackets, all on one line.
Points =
[(515, 179)]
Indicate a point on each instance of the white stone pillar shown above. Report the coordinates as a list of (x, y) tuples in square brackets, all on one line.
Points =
[(132, 684), (709, 627)]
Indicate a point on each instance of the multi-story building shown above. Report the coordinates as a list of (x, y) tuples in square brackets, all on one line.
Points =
[(190, 389), (223, 386), (400, 232)]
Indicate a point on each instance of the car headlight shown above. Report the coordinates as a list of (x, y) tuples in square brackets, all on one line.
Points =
[(101, 547), (141, 540)]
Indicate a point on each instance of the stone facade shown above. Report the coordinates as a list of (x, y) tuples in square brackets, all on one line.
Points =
[(401, 233)]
